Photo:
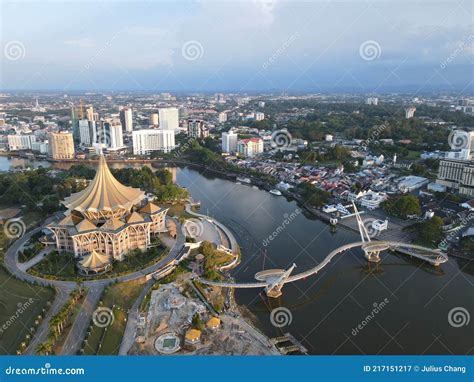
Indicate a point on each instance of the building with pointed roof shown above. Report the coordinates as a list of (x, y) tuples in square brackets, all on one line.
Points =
[(106, 220)]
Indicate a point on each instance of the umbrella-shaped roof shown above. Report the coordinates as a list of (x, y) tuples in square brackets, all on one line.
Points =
[(104, 193)]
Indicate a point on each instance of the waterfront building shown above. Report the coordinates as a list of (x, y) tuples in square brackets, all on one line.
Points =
[(20, 142), (41, 147), (148, 140), (107, 218), (250, 147), (229, 142), (87, 132), (169, 118), (110, 134), (457, 175), (126, 119), (197, 129), (61, 145)]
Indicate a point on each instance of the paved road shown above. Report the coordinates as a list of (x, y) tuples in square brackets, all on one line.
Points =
[(130, 330), (78, 331), (13, 266)]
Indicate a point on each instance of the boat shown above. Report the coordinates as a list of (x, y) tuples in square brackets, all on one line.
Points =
[(244, 180), (275, 192)]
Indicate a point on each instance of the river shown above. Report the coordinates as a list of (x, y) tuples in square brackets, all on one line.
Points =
[(334, 312)]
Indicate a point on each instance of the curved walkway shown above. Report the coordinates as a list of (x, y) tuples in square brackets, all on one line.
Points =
[(230, 237), (440, 258)]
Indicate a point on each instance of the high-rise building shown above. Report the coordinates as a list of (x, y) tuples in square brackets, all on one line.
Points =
[(250, 147), (229, 142), (110, 134), (20, 142), (91, 116), (146, 141), (61, 145), (410, 112), (259, 116), (457, 175), (372, 101), (169, 118), (154, 119), (87, 132), (126, 119), (197, 129)]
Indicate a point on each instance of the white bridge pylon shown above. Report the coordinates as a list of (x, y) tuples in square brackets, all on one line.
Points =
[(371, 249)]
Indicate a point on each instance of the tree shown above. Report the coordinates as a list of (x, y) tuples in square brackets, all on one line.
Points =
[(429, 232), (402, 206)]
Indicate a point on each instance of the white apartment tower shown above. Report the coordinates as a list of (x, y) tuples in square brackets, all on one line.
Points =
[(126, 119), (146, 141), (169, 118), (229, 142)]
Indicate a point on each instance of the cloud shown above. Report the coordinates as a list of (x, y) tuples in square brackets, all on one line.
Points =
[(81, 43)]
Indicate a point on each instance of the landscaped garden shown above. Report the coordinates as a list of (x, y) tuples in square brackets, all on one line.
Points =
[(63, 266)]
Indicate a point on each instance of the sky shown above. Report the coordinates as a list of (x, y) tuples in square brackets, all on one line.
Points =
[(239, 46)]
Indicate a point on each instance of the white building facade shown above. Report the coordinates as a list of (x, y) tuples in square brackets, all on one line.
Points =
[(229, 142), (146, 141)]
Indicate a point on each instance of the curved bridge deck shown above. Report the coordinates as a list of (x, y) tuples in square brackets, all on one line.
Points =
[(432, 256)]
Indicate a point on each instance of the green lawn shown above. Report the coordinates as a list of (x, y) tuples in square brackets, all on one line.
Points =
[(15, 297), (121, 297)]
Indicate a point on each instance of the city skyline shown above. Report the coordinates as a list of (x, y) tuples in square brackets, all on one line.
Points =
[(245, 47)]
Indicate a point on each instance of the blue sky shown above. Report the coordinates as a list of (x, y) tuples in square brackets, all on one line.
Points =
[(362, 46)]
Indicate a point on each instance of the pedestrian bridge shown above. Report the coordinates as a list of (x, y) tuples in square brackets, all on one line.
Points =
[(273, 280)]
